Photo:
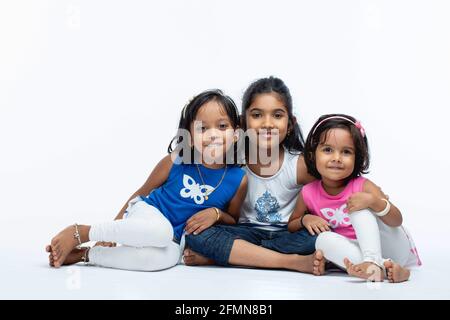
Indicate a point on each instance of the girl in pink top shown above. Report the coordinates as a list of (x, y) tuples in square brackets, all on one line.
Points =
[(359, 229)]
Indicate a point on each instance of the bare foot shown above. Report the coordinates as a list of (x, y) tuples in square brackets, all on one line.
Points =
[(366, 270), (63, 244), (192, 258), (75, 256), (318, 263), (51, 261), (395, 272), (314, 263)]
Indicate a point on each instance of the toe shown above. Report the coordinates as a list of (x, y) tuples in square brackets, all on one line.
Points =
[(357, 268), (347, 264), (388, 264), (319, 255)]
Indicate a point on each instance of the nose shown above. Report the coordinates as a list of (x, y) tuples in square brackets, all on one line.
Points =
[(212, 134), (336, 157), (268, 124)]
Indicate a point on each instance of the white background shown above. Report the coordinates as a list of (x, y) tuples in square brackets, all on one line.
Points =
[(90, 95)]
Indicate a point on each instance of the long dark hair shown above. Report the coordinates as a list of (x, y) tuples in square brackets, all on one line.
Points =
[(191, 109), (294, 141), (319, 131)]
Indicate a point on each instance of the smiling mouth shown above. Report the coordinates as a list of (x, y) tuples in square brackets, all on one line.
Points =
[(336, 168), (267, 135), (214, 145)]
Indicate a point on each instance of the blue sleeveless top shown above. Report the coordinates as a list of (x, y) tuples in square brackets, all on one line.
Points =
[(183, 194)]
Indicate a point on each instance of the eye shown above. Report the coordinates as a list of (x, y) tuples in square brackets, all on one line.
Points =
[(200, 129), (327, 149), (278, 115), (348, 152), (256, 115), (223, 126)]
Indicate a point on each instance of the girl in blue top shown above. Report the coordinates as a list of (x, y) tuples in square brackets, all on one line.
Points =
[(196, 186)]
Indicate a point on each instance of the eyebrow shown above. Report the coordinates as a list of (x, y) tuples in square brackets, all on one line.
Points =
[(217, 121), (328, 145), (259, 109)]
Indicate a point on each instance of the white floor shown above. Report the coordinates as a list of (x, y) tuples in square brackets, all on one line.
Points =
[(26, 275)]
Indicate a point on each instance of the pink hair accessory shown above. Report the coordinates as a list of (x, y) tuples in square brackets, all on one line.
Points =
[(361, 128), (357, 124)]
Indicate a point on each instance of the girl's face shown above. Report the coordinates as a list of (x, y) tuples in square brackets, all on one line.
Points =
[(269, 117), (212, 132), (335, 155)]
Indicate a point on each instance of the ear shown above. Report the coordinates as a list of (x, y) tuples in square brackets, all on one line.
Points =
[(236, 134), (292, 123)]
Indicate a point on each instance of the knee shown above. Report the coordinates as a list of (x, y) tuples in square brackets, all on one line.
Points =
[(198, 241), (156, 259), (324, 239), (165, 233)]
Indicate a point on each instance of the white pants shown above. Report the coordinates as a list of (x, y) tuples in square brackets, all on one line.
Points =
[(376, 242), (146, 239)]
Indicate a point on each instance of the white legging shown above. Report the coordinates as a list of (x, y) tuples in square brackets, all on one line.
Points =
[(376, 242), (146, 239)]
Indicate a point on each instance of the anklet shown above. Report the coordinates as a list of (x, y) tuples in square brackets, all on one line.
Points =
[(76, 235), (84, 258)]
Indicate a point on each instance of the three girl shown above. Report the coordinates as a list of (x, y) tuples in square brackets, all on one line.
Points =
[(180, 194), (367, 237), (201, 201)]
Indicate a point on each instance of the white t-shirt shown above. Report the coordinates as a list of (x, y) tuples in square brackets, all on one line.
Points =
[(270, 201)]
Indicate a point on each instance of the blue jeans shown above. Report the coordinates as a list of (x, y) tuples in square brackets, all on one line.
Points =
[(216, 242)]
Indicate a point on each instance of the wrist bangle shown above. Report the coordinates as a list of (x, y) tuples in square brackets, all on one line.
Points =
[(218, 213), (301, 220), (385, 211)]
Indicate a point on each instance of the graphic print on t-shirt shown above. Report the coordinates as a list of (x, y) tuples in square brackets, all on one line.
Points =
[(267, 209), (194, 190), (336, 217)]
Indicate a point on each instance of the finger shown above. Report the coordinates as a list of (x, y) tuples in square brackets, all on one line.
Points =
[(200, 229), (327, 227), (310, 230), (191, 228), (188, 226), (322, 228), (196, 229), (316, 229)]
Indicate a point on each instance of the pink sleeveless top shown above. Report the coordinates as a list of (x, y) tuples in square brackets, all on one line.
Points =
[(332, 208)]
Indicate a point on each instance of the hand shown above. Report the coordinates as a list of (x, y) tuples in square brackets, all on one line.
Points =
[(359, 201), (105, 244), (200, 221), (315, 224)]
